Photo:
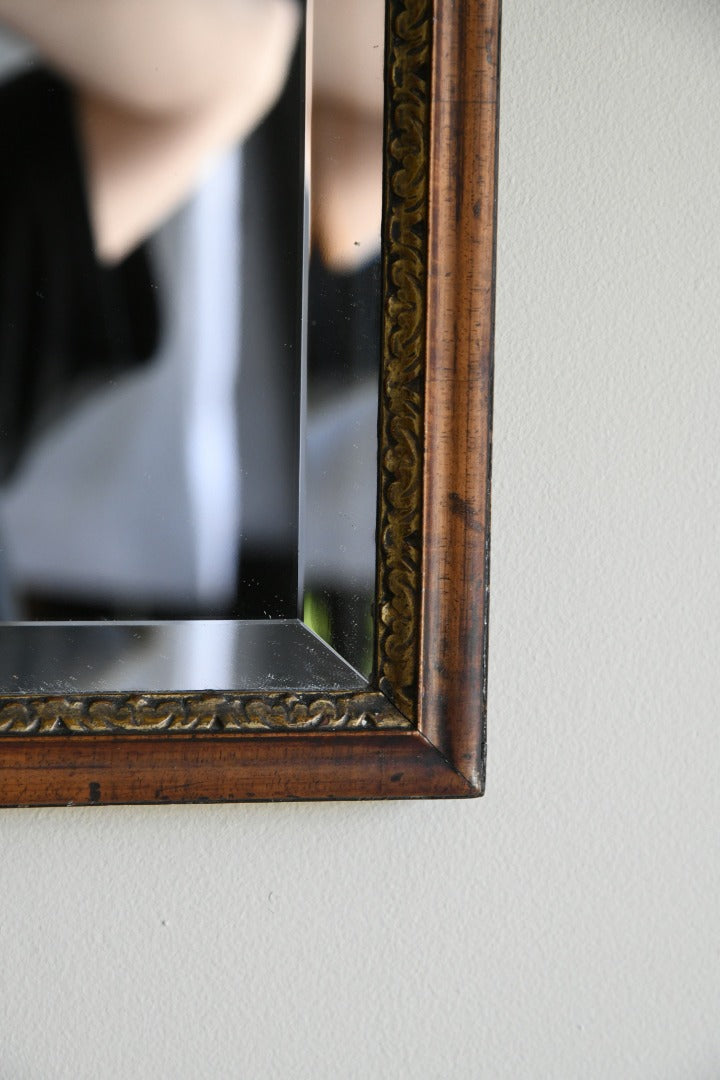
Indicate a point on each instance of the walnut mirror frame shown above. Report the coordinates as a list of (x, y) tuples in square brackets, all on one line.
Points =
[(419, 728)]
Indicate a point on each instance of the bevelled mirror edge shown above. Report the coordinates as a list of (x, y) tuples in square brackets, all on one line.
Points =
[(421, 732)]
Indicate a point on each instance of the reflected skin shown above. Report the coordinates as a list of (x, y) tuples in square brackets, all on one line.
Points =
[(162, 87), (347, 129)]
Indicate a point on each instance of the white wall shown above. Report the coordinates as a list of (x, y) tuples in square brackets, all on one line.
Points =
[(567, 925)]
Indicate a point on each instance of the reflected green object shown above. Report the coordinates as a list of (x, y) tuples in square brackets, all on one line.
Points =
[(316, 615), (345, 622)]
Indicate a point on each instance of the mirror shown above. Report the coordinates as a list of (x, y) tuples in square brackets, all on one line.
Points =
[(193, 355), (228, 410)]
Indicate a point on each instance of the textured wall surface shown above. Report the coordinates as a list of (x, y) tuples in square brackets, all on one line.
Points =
[(568, 924)]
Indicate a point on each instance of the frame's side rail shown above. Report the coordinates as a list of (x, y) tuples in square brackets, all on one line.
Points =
[(459, 380)]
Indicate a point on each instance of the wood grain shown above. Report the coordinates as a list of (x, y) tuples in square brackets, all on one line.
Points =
[(52, 771), (461, 266)]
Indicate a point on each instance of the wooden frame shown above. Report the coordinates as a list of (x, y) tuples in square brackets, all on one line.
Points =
[(419, 731)]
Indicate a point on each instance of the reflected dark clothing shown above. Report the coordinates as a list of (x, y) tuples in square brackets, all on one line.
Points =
[(345, 326), (66, 322)]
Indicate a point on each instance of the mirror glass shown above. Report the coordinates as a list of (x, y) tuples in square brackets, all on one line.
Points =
[(190, 204)]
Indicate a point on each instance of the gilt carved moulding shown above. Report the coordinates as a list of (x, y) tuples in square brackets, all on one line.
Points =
[(402, 397), (151, 714)]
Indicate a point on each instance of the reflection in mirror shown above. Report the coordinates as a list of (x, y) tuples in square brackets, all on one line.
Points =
[(153, 299), (344, 317), (128, 177)]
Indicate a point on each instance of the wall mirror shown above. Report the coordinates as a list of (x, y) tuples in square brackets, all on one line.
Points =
[(246, 300)]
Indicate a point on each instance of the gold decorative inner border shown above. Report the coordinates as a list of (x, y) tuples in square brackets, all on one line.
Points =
[(402, 392), (393, 705), (153, 714)]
